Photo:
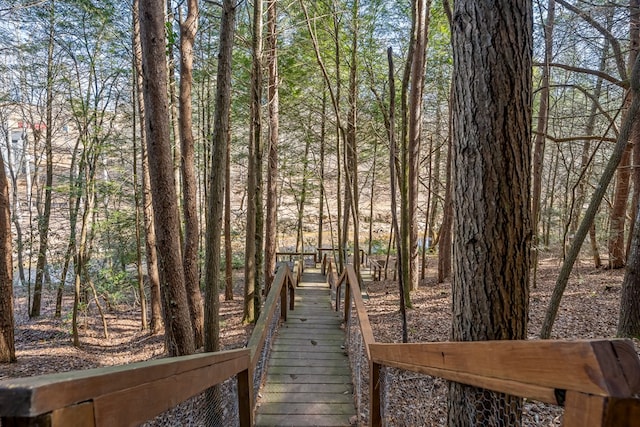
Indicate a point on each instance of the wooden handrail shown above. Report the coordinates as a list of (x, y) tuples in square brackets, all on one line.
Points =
[(282, 284), (594, 380), (122, 395), (352, 291), (131, 394)]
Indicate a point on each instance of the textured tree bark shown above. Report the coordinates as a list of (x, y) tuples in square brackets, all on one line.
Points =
[(492, 46), (619, 210), (418, 63), (251, 286), (153, 276), (220, 140), (136, 196), (188, 30), (7, 343), (445, 237), (178, 330), (323, 134), (228, 252), (541, 135), (617, 246), (43, 221), (634, 37), (394, 186), (352, 199), (629, 317), (272, 169)]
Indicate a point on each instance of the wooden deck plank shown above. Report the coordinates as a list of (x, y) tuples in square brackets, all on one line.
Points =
[(302, 420), (308, 377), (273, 362), (308, 356), (308, 398), (309, 370), (303, 333), (306, 408), (346, 389)]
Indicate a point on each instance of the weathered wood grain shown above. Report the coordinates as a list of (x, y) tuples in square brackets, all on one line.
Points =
[(308, 378)]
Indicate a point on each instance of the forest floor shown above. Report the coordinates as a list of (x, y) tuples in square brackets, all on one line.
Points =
[(589, 309)]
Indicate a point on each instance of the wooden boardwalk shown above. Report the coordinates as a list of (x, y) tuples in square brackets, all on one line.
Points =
[(308, 379)]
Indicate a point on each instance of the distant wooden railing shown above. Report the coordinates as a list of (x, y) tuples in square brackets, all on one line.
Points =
[(596, 381), (132, 394)]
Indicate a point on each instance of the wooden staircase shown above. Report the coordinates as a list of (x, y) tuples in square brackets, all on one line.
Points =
[(308, 378)]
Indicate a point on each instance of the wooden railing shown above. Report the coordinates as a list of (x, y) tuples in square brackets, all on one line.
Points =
[(122, 395), (596, 381), (132, 394)]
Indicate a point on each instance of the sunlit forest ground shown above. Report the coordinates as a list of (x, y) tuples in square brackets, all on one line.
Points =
[(589, 309)]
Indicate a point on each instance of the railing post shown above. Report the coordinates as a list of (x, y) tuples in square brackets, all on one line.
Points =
[(283, 299), (292, 295), (622, 411), (347, 299), (245, 405), (375, 413), (581, 409)]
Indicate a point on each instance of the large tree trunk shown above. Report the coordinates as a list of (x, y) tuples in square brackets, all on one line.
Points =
[(541, 135), (445, 235), (617, 246), (418, 63), (302, 198), (323, 135), (272, 170), (217, 178), (188, 29), (251, 288), (44, 219), (634, 37), (629, 317), (492, 161), (153, 276), (178, 331), (619, 211), (7, 344), (352, 199), (393, 160), (137, 205), (228, 252)]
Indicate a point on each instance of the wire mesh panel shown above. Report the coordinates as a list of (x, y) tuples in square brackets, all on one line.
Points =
[(411, 399), (215, 407), (359, 364), (261, 365)]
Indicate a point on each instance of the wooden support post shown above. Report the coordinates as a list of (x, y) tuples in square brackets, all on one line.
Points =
[(375, 414), (583, 410), (622, 412), (245, 393), (347, 300), (283, 299), (292, 295), (587, 410)]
